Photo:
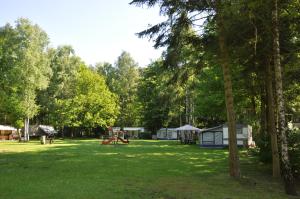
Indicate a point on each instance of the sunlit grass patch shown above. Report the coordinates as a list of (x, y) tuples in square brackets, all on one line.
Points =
[(32, 146), (140, 169)]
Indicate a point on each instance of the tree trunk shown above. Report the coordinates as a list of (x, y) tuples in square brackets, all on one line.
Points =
[(180, 114), (224, 61), (19, 134), (286, 167), (26, 129), (263, 112), (271, 122), (252, 98), (193, 112), (186, 107)]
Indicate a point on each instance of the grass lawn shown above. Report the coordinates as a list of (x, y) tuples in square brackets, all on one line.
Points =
[(143, 169)]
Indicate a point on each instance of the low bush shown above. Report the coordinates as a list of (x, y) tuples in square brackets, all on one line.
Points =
[(294, 150)]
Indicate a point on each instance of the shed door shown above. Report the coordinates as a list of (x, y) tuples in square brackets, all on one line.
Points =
[(218, 138)]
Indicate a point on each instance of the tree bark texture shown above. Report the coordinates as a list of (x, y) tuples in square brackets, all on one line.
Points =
[(271, 122), (26, 129), (186, 107), (286, 166), (224, 61), (263, 111)]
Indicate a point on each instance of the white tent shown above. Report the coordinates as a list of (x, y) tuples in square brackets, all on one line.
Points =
[(187, 127), (187, 134)]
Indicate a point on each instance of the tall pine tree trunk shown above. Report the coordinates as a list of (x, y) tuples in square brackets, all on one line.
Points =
[(286, 166), (186, 106), (224, 61), (271, 122), (263, 111), (180, 114)]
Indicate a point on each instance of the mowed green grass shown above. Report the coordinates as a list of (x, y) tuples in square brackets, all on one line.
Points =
[(143, 169)]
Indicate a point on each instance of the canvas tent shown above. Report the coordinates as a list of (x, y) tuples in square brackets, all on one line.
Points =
[(132, 132), (166, 134), (218, 136), (187, 134)]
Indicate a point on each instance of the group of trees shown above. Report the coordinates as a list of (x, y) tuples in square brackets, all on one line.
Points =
[(249, 47), (49, 86), (24, 71), (123, 79), (55, 87)]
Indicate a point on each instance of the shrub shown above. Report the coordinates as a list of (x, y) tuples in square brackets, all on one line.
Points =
[(294, 150), (145, 135), (264, 148)]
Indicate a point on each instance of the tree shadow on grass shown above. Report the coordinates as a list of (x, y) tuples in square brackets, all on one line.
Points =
[(87, 169)]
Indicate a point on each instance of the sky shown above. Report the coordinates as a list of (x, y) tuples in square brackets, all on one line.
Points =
[(98, 30)]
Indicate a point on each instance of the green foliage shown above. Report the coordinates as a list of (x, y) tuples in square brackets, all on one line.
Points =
[(210, 100), (264, 145), (264, 150), (109, 73), (123, 80), (97, 105), (294, 150), (157, 98), (65, 66), (91, 105), (24, 66), (127, 76), (77, 96)]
